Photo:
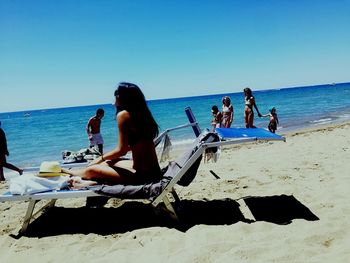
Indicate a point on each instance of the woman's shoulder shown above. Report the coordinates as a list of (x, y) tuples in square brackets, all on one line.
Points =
[(123, 115)]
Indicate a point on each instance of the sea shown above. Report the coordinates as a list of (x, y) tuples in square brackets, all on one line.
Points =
[(34, 136)]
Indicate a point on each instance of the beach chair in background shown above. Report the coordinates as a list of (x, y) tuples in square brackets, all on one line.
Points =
[(181, 171), (254, 133)]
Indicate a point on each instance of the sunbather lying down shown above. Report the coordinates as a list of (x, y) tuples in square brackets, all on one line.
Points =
[(136, 132)]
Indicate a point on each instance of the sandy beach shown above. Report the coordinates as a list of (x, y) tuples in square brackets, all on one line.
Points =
[(274, 202)]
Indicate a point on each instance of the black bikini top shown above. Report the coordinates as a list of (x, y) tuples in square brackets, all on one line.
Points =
[(134, 137)]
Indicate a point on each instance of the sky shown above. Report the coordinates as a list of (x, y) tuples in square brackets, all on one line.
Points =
[(61, 53)]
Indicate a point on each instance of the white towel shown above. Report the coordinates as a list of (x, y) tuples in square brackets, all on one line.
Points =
[(31, 184)]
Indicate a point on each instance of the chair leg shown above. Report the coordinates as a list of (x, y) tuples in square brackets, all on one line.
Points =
[(29, 214), (176, 197), (170, 208)]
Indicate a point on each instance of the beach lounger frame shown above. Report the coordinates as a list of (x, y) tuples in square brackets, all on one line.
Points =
[(50, 198), (168, 195)]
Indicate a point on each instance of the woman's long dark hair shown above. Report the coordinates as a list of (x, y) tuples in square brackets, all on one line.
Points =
[(133, 101), (248, 91)]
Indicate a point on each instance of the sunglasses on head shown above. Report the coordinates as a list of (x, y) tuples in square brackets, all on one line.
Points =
[(124, 85)]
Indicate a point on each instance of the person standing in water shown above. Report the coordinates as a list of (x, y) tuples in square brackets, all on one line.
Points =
[(93, 129), (273, 119), (3, 153), (217, 118), (227, 112), (249, 102)]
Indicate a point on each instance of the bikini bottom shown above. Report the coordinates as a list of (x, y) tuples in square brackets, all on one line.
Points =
[(148, 176)]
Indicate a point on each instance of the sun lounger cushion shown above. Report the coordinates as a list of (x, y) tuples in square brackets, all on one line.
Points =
[(259, 133)]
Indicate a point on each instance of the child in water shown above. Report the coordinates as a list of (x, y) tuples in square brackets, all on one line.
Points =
[(227, 112), (273, 119), (217, 117)]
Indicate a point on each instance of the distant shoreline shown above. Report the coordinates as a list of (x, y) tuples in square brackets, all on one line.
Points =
[(57, 130), (180, 98), (180, 148)]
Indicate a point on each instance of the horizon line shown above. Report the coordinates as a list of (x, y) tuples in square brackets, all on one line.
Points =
[(184, 97)]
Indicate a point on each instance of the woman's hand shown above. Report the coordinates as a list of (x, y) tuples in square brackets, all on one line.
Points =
[(96, 161)]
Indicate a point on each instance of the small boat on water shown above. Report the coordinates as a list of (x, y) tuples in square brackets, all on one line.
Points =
[(27, 114)]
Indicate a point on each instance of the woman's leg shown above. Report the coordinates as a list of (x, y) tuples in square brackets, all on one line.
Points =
[(12, 167), (74, 172), (112, 172), (117, 174), (2, 162), (94, 174), (246, 119), (77, 182), (250, 120), (120, 172), (2, 177)]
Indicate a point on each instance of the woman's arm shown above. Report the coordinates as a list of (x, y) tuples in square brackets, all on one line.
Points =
[(122, 148), (231, 115), (256, 107), (219, 117)]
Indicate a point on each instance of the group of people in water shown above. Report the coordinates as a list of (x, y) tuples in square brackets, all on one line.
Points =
[(224, 119)]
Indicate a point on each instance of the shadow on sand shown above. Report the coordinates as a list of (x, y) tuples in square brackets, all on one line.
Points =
[(136, 215)]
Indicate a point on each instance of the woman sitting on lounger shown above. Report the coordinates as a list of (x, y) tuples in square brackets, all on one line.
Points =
[(137, 129)]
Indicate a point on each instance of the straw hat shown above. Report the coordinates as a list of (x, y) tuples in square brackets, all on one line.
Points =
[(50, 169)]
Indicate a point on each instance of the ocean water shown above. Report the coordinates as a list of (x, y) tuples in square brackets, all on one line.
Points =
[(40, 135)]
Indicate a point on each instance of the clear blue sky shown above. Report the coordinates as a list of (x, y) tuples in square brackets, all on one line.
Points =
[(58, 53)]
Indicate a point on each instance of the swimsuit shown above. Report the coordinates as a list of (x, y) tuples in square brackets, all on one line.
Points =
[(142, 177), (216, 122), (272, 125), (226, 116), (151, 176), (134, 137), (96, 139), (248, 102)]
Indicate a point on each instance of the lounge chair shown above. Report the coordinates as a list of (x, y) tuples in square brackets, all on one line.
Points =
[(238, 133), (182, 172)]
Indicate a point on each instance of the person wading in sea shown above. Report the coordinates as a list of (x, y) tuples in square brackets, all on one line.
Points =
[(3, 153), (93, 129)]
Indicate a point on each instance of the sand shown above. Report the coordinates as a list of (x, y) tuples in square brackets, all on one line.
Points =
[(274, 202)]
